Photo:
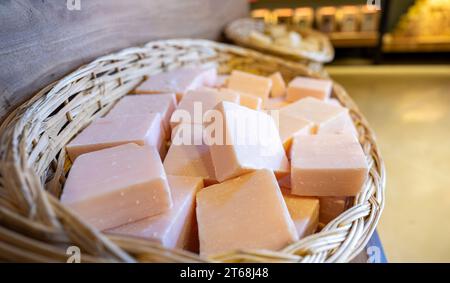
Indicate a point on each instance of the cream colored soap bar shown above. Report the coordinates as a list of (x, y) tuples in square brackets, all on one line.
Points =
[(118, 185), (346, 125), (189, 155), (304, 212), (290, 127), (327, 165), (247, 212), (250, 84), (196, 103), (302, 87), (178, 81), (278, 85), (175, 227), (163, 104), (250, 142), (323, 115), (113, 131), (332, 207)]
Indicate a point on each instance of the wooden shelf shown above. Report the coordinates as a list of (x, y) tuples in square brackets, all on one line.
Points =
[(416, 44), (354, 39)]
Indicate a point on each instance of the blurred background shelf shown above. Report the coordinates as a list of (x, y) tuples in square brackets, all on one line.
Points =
[(416, 43), (354, 39)]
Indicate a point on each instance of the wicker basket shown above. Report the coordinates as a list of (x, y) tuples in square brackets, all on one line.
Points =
[(34, 226), (238, 31)]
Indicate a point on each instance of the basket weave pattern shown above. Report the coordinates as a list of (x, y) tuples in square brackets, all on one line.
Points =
[(35, 227)]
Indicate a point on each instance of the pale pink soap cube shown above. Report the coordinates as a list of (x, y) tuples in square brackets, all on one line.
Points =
[(250, 84), (221, 81), (291, 126), (189, 155), (250, 141), (173, 228), (302, 87), (323, 115), (304, 212), (112, 131), (247, 100), (247, 212), (278, 85), (178, 81), (332, 207), (327, 165), (195, 103), (163, 104), (117, 185)]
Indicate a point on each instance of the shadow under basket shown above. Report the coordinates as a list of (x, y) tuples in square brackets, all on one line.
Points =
[(36, 227)]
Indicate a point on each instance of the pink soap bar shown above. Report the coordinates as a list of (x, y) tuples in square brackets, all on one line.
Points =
[(278, 85), (221, 81), (189, 155), (332, 207), (302, 87), (163, 104), (250, 142), (117, 185), (250, 84), (323, 115), (247, 100), (173, 228), (195, 103), (291, 126), (304, 212), (113, 131), (327, 165), (178, 81), (247, 212)]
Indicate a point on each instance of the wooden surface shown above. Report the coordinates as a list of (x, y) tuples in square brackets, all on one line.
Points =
[(41, 41)]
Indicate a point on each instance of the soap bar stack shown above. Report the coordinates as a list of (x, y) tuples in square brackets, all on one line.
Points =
[(275, 160)]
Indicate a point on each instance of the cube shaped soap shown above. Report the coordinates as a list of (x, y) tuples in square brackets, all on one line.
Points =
[(275, 103), (250, 141), (250, 84), (304, 212), (189, 155), (332, 207), (327, 165), (323, 115), (195, 103), (302, 87), (247, 212), (112, 131), (176, 227), (247, 100), (117, 185), (163, 104), (278, 85), (178, 81), (346, 126)]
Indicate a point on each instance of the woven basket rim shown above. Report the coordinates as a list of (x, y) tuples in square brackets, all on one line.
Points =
[(238, 30), (22, 188)]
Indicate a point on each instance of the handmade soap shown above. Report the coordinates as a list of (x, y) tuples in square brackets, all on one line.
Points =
[(221, 81), (304, 212), (163, 104), (346, 125), (173, 228), (195, 103), (178, 81), (302, 87), (278, 85), (250, 84), (117, 185), (189, 155), (332, 207), (113, 131), (291, 126), (323, 115), (247, 100), (250, 141), (247, 212), (327, 165)]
